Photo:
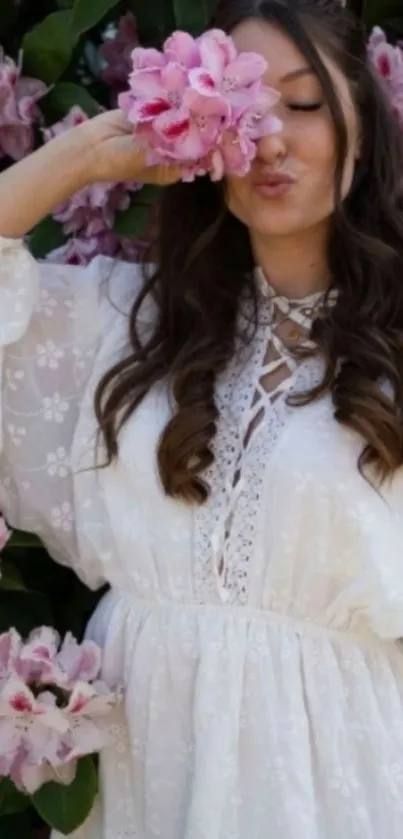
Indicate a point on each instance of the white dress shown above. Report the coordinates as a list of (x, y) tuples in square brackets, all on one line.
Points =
[(257, 635)]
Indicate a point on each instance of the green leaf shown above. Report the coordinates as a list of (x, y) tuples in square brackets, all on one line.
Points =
[(11, 799), (48, 47), (194, 15), (88, 13), (155, 20), (45, 237), (66, 95), (11, 579), (133, 221), (66, 807), (24, 610)]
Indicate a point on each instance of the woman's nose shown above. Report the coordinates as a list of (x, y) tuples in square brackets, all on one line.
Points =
[(272, 148)]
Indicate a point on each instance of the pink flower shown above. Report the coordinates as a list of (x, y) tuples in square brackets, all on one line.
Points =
[(35, 660), (182, 102), (76, 662), (224, 73), (80, 250), (387, 61), (53, 710), (117, 51), (182, 49), (18, 109)]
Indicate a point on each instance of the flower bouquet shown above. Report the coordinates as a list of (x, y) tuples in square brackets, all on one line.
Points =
[(200, 103)]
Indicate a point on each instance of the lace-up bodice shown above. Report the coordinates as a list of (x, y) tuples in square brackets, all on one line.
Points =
[(252, 396)]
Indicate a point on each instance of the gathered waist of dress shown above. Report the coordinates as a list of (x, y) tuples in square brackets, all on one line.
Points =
[(168, 610)]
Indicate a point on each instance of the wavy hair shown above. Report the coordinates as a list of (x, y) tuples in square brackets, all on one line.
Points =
[(204, 264)]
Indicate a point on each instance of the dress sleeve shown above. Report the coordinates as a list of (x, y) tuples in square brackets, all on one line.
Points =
[(55, 322)]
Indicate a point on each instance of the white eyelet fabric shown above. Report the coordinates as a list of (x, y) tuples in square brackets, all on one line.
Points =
[(258, 635)]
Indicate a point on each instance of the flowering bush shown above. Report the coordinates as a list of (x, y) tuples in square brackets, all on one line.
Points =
[(64, 60)]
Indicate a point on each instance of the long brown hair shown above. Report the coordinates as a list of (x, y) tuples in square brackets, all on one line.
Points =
[(204, 263)]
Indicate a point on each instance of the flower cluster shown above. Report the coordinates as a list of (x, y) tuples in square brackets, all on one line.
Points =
[(200, 103), (116, 52), (18, 109), (387, 61), (89, 215), (53, 708)]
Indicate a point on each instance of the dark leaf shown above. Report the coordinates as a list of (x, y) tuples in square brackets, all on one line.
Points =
[(16, 827), (65, 96), (88, 13), (24, 611), (66, 807), (194, 15), (132, 222), (48, 47), (46, 237), (155, 20), (11, 800)]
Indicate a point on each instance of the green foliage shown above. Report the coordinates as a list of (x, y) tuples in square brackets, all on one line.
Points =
[(66, 807), (48, 47)]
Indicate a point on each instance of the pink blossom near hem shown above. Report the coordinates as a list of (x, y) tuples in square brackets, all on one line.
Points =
[(53, 706)]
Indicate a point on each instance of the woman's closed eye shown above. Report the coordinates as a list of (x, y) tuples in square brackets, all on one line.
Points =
[(305, 106)]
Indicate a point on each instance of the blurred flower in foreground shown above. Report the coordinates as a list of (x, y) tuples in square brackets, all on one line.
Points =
[(19, 96), (116, 51), (387, 61), (53, 707)]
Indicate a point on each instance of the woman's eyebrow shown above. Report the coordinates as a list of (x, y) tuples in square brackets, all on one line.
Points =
[(296, 74)]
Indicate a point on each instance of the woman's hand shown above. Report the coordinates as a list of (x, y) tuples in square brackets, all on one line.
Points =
[(111, 151), (100, 149)]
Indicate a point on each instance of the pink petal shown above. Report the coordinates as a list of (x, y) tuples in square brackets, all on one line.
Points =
[(79, 661), (147, 59), (182, 48), (10, 740), (16, 698), (86, 737), (16, 140), (174, 79), (38, 652), (10, 646), (146, 111), (173, 125), (246, 69), (146, 85), (217, 50), (203, 82), (28, 777)]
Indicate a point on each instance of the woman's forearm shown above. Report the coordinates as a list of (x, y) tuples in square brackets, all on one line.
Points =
[(33, 188)]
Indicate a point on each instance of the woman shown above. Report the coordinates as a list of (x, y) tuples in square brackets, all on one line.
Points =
[(246, 425)]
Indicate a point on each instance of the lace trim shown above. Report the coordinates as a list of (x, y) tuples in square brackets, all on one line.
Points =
[(252, 400)]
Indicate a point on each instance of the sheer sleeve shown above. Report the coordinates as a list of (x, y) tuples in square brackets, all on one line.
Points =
[(59, 330)]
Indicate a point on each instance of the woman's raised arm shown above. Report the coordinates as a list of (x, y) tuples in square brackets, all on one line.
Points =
[(101, 149)]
